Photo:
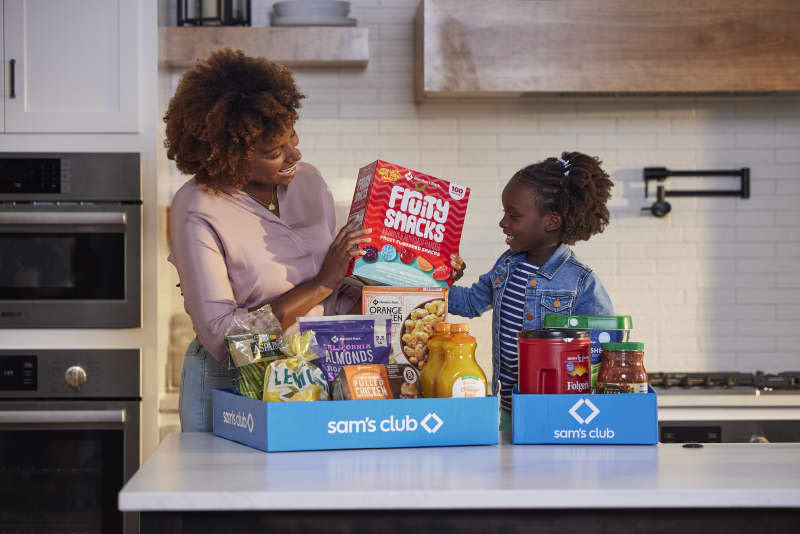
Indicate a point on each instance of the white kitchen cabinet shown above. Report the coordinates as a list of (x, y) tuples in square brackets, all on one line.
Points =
[(2, 77), (75, 66)]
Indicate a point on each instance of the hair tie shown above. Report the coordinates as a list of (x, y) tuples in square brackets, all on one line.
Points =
[(566, 164)]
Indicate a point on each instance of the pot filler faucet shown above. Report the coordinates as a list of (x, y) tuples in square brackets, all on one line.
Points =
[(660, 208)]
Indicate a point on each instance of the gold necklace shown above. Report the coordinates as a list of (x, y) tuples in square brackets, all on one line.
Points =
[(271, 206)]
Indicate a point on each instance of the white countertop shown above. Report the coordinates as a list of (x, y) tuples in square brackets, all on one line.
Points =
[(197, 471), (739, 404)]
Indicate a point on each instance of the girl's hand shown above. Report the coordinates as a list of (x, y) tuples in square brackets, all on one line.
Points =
[(342, 250), (458, 266)]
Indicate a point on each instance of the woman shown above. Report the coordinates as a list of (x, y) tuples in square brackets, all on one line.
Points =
[(254, 225)]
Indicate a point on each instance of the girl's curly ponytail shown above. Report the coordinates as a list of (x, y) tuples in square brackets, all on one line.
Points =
[(574, 186)]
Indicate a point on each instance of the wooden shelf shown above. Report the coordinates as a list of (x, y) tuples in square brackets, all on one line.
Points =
[(516, 47), (308, 46)]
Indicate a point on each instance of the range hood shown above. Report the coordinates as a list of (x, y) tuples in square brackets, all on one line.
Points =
[(472, 48)]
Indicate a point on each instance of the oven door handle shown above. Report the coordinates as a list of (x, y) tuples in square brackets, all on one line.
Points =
[(61, 416), (64, 217)]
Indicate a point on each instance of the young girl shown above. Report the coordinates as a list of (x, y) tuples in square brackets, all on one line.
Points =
[(546, 206)]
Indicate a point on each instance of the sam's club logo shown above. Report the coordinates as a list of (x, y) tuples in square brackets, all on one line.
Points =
[(584, 411), (431, 423), (239, 420), (591, 415)]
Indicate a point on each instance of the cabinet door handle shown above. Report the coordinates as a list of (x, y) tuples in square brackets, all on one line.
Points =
[(12, 93)]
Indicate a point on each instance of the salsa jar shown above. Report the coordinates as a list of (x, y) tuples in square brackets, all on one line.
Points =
[(622, 369)]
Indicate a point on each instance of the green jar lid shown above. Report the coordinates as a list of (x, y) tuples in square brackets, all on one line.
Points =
[(588, 322), (630, 345)]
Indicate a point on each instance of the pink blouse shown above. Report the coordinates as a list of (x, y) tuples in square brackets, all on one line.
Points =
[(232, 254)]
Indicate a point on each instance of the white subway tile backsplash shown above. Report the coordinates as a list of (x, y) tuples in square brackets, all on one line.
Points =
[(788, 279), (767, 295), (736, 250), (358, 95), (556, 143), (759, 359), (713, 298), (787, 155), (737, 281), (439, 157), (788, 249), (778, 234), (361, 142), (755, 218), (788, 311), (680, 265), (391, 95), (767, 265), (642, 125), (713, 286), (399, 141), (319, 111), (395, 32), (753, 326)]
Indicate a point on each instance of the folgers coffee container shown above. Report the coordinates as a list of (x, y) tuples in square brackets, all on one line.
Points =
[(601, 328), (554, 361)]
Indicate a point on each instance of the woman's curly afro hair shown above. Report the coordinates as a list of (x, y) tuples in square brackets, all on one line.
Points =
[(573, 186), (222, 106)]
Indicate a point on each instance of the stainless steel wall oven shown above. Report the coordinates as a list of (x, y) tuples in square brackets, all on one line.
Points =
[(70, 240), (69, 439)]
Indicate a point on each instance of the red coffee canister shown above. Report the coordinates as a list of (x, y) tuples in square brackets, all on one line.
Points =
[(554, 361)]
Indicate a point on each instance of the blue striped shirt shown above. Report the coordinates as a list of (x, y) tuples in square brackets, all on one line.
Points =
[(512, 311)]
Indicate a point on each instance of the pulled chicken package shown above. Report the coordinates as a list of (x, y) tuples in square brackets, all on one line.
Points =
[(416, 222), (361, 382), (370, 382), (349, 340)]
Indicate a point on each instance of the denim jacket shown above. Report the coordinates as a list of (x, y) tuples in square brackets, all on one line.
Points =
[(562, 285)]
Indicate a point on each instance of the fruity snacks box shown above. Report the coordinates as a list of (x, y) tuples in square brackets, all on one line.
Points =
[(416, 222)]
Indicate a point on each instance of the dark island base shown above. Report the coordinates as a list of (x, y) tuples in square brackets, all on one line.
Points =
[(634, 521)]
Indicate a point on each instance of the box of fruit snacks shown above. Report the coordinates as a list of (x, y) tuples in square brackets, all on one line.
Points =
[(414, 311), (416, 222)]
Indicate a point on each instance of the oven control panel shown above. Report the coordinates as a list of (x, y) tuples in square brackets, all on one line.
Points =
[(34, 175), (18, 373), (87, 373)]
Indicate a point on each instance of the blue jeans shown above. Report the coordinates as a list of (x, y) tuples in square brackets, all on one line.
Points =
[(505, 421), (202, 373)]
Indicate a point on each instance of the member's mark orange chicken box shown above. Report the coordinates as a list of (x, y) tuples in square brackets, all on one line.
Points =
[(416, 222)]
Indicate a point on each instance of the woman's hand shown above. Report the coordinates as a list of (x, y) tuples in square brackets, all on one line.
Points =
[(342, 250), (458, 265)]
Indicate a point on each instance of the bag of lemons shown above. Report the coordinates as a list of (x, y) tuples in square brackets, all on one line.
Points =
[(294, 378)]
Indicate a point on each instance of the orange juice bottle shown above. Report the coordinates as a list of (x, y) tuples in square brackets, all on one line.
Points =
[(441, 333), (460, 376)]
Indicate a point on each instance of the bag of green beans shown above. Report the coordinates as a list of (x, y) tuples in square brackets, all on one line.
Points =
[(253, 341)]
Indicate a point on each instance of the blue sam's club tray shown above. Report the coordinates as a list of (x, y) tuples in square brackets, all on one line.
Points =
[(362, 424), (623, 419)]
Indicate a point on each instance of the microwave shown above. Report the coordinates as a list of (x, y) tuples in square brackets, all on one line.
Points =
[(70, 240)]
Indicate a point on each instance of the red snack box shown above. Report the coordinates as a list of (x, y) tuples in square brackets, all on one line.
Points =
[(416, 223)]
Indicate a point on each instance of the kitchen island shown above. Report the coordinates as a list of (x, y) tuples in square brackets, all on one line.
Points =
[(198, 483)]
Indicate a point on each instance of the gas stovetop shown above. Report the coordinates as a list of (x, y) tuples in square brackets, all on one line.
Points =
[(726, 382)]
